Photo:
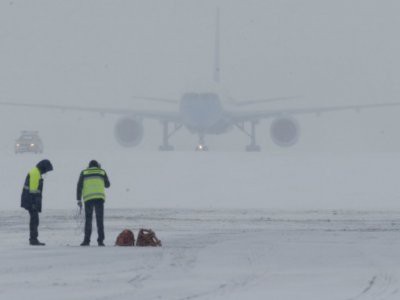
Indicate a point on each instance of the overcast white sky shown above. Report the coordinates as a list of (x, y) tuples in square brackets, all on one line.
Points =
[(103, 52)]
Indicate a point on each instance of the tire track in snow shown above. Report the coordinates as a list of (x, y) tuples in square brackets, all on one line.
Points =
[(379, 287), (240, 282)]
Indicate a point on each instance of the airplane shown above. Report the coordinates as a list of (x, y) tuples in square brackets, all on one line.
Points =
[(203, 113)]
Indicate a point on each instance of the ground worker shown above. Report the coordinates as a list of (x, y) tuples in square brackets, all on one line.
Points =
[(91, 187), (31, 198)]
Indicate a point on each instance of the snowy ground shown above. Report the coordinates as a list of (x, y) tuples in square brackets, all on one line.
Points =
[(233, 225), (207, 254)]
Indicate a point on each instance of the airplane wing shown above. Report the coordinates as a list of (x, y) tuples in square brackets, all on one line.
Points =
[(259, 101), (170, 116), (156, 99), (243, 116)]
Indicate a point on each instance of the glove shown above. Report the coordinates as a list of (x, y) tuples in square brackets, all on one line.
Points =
[(80, 203)]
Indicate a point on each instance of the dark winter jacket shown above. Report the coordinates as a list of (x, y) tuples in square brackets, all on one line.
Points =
[(31, 198), (92, 165)]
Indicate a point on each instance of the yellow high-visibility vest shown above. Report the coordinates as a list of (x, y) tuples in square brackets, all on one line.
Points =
[(34, 181), (93, 184)]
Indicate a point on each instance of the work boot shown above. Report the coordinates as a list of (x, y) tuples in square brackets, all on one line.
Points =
[(101, 244), (85, 243), (36, 242)]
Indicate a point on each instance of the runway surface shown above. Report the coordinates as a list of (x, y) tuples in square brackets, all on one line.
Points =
[(206, 254)]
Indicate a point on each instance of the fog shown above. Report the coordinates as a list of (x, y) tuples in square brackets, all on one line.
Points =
[(102, 53), (106, 53), (318, 220)]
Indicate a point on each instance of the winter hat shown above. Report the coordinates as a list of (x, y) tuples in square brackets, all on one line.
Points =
[(44, 166), (94, 164)]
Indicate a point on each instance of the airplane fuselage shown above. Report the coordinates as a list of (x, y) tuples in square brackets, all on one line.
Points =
[(203, 113)]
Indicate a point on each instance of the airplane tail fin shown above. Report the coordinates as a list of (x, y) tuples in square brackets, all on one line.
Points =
[(217, 49)]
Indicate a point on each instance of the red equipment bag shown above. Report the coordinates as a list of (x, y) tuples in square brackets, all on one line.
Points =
[(125, 238), (147, 237)]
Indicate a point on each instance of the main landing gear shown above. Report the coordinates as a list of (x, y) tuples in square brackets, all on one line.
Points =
[(252, 147), (165, 146)]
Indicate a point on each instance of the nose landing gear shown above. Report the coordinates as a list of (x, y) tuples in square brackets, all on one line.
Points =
[(201, 146)]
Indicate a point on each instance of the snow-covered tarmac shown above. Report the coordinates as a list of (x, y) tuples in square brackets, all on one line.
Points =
[(207, 254), (233, 226)]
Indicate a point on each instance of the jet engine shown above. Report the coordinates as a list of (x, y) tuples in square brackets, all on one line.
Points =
[(129, 132), (285, 131)]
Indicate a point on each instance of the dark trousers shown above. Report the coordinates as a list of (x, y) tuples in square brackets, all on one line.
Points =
[(33, 224), (98, 206)]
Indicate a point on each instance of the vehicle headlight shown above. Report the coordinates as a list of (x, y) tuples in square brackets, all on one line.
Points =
[(17, 145), (32, 145)]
